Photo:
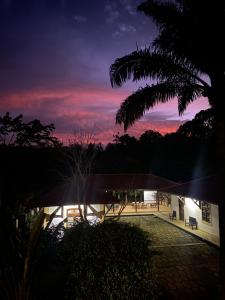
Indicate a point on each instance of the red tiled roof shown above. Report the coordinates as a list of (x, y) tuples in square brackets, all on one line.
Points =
[(96, 187), (129, 181), (65, 194), (204, 189), (201, 189)]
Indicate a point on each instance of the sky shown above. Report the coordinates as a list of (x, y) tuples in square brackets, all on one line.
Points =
[(55, 57)]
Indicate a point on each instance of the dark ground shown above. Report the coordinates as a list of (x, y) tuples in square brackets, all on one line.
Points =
[(186, 267)]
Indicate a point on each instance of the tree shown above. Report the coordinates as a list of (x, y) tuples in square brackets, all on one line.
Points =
[(78, 165), (125, 140), (150, 137), (9, 127), (202, 126), (15, 132), (18, 252), (186, 61)]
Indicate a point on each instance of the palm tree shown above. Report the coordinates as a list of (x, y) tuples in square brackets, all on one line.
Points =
[(186, 61), (175, 76)]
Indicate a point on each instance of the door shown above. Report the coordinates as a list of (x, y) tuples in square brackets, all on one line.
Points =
[(181, 210)]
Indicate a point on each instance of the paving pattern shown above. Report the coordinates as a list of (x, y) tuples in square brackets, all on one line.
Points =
[(185, 266)]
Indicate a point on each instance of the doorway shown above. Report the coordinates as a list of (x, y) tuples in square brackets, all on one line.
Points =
[(181, 209)]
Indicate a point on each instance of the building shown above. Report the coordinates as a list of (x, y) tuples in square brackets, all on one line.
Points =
[(113, 194), (105, 194), (197, 199)]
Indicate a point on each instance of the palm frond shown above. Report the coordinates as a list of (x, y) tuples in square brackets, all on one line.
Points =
[(187, 94), (134, 107), (164, 14), (143, 64), (179, 56), (184, 30), (132, 65)]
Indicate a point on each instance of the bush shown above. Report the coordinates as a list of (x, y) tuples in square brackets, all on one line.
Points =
[(107, 261), (49, 274)]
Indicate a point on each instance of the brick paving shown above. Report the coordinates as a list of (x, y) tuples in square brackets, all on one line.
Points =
[(185, 266), (213, 239)]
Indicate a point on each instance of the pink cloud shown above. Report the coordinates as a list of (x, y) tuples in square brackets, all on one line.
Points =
[(92, 108)]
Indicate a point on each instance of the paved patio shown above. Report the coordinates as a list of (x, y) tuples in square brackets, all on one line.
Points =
[(185, 266), (198, 232)]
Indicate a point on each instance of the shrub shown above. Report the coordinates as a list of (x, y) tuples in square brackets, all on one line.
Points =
[(111, 260), (49, 274)]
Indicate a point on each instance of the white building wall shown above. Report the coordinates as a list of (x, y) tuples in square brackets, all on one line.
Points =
[(150, 196), (192, 210), (212, 227), (49, 210), (215, 218), (175, 205), (57, 220), (97, 207)]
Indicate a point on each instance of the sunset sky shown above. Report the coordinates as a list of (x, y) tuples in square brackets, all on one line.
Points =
[(54, 65)]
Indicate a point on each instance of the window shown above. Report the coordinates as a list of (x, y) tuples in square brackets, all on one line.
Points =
[(206, 212)]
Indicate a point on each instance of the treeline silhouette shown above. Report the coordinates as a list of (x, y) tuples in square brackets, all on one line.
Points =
[(34, 168), (180, 156)]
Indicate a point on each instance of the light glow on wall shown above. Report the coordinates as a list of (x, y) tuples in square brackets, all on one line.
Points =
[(192, 207)]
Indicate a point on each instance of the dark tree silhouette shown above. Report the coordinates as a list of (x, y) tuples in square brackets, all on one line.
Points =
[(202, 126), (125, 140), (9, 127), (186, 61), (150, 137), (15, 132), (78, 164)]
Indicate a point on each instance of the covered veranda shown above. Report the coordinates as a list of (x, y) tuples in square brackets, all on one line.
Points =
[(108, 195), (158, 202)]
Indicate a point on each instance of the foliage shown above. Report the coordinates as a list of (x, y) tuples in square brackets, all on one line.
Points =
[(104, 261), (150, 137), (176, 61), (108, 261), (164, 155), (16, 269), (78, 163), (125, 140), (183, 83), (202, 126), (15, 132), (48, 266), (26, 171), (21, 234)]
